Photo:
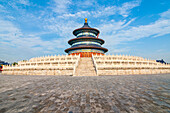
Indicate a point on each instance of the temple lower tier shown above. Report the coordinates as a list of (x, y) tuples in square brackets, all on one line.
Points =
[(86, 54), (76, 66), (86, 51)]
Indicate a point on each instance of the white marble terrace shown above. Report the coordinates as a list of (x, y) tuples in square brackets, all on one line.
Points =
[(104, 65), (49, 65), (127, 65)]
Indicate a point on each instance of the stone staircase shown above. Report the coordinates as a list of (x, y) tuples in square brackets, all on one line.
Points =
[(85, 67)]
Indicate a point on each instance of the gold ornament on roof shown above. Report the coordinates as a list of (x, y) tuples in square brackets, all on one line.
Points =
[(85, 20)]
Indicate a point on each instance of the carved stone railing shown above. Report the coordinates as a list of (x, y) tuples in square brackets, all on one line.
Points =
[(75, 66), (95, 64), (63, 63)]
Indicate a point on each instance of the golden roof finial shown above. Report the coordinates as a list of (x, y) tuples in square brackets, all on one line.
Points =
[(85, 20)]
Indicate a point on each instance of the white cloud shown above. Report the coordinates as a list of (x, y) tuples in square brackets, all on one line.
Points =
[(1, 6), (7, 29), (85, 3), (123, 10), (119, 50), (81, 14), (2, 9), (24, 2), (14, 43), (112, 27), (119, 32), (60, 6), (126, 7), (166, 14), (105, 11), (157, 28), (62, 27)]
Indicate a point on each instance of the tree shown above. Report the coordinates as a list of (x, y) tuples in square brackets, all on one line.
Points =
[(15, 63)]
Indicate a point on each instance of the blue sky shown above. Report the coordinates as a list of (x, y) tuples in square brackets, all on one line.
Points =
[(33, 28)]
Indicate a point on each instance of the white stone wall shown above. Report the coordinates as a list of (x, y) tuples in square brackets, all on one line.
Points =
[(127, 65), (49, 65), (104, 65)]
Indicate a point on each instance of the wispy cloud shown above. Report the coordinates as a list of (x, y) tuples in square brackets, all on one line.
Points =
[(1, 6), (60, 6), (123, 10), (85, 3), (81, 14), (24, 2), (166, 14), (14, 42), (2, 9), (119, 50), (108, 28), (115, 33), (62, 27), (7, 29)]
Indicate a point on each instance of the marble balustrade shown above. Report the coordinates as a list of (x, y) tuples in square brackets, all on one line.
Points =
[(49, 65), (104, 65), (128, 65)]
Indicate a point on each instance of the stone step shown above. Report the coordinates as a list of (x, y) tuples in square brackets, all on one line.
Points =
[(90, 74), (86, 64), (85, 67), (85, 72)]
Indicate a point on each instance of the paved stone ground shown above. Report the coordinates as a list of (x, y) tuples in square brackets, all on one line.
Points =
[(95, 94)]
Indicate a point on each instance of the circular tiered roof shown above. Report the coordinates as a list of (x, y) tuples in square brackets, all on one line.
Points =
[(85, 28), (71, 41), (86, 41)]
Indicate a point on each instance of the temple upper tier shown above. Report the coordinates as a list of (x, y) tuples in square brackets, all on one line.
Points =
[(86, 42)]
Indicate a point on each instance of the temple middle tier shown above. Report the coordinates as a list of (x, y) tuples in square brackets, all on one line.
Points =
[(86, 42)]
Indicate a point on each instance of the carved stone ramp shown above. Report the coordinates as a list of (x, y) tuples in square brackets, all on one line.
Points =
[(85, 67)]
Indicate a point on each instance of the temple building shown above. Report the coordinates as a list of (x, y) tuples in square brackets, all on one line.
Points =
[(86, 57), (86, 42)]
